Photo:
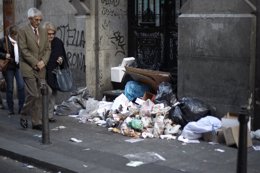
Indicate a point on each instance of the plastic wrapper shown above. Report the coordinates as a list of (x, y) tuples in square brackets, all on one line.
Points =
[(165, 94)]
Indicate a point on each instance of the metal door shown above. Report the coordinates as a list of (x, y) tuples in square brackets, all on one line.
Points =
[(153, 33)]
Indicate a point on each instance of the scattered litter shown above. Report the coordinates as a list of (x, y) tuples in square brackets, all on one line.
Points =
[(147, 135), (75, 140), (134, 163), (159, 156), (219, 150), (58, 128), (147, 157), (168, 137), (185, 140), (85, 166), (213, 143), (182, 170), (256, 148), (28, 166), (132, 140), (73, 116), (37, 135), (86, 149)]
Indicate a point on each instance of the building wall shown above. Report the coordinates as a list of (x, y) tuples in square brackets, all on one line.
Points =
[(107, 42), (216, 55)]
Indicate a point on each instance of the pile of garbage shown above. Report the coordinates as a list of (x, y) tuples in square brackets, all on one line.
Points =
[(162, 117)]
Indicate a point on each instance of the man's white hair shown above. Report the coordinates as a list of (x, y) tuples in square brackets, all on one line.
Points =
[(32, 12)]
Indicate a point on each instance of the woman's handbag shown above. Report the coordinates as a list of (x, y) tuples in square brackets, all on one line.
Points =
[(4, 62), (64, 78)]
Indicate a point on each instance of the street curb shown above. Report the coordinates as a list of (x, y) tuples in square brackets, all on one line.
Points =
[(35, 162)]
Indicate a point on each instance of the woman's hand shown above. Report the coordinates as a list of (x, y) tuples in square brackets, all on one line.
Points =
[(7, 56), (60, 60)]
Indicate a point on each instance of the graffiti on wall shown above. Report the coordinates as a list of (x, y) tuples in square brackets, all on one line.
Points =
[(76, 60), (71, 36), (74, 41), (119, 41), (116, 37), (113, 3)]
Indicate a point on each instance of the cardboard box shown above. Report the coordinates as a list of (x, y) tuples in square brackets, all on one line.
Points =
[(230, 125), (149, 77), (209, 137), (231, 135), (118, 73), (148, 95)]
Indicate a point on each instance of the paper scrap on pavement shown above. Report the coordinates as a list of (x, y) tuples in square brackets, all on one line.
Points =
[(146, 157), (73, 116), (219, 150), (134, 163), (37, 135), (134, 140), (256, 148), (185, 140), (28, 166), (75, 140), (58, 128), (168, 137), (213, 143)]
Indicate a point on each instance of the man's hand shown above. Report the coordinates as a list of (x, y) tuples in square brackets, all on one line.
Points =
[(40, 65)]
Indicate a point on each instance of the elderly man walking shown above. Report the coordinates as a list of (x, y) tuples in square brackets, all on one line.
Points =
[(35, 50)]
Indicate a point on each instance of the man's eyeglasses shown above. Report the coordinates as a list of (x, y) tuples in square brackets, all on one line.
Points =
[(51, 33)]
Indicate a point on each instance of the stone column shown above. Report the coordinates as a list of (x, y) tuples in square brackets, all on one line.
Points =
[(216, 53)]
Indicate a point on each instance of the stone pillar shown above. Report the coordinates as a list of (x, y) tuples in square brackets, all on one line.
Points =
[(106, 43), (216, 53)]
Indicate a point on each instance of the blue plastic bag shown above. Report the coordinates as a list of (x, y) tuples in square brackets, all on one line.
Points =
[(135, 89)]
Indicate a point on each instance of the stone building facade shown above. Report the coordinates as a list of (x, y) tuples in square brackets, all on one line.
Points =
[(218, 46)]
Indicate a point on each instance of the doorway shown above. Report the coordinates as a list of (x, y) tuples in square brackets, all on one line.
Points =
[(153, 34)]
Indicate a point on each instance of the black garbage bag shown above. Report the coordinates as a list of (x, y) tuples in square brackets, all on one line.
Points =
[(165, 94), (193, 109), (175, 114)]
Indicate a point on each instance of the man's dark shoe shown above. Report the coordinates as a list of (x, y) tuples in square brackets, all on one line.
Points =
[(37, 127), (24, 123), (52, 120)]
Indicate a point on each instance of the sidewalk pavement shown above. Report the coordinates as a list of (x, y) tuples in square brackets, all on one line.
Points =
[(102, 151)]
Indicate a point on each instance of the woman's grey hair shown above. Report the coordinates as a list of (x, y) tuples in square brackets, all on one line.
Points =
[(49, 26), (32, 12)]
